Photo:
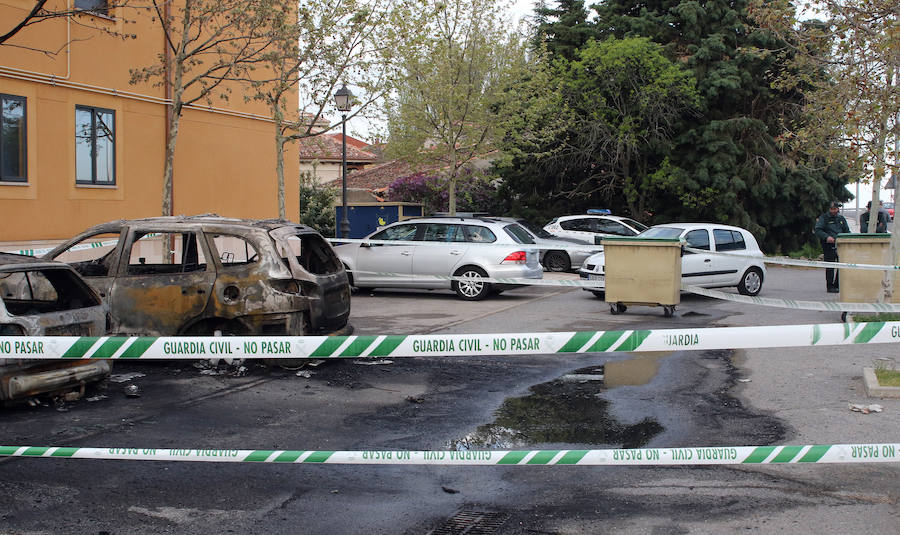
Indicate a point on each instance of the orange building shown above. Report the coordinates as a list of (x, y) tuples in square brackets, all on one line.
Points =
[(82, 145)]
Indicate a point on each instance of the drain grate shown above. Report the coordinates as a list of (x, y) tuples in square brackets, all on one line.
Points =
[(471, 523)]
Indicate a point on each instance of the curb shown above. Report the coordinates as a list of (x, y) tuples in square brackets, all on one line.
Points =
[(875, 390)]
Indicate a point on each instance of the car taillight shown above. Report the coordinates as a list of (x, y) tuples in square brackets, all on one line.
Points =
[(517, 257), (11, 329), (288, 286)]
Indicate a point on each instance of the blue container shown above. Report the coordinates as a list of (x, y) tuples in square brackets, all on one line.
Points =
[(366, 217)]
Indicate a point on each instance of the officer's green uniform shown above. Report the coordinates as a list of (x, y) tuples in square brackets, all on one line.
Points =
[(830, 225)]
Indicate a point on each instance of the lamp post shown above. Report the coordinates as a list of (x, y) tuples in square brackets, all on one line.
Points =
[(342, 99)]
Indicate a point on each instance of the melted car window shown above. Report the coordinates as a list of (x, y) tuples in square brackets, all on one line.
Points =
[(40, 291), (234, 251), (92, 256), (166, 252), (312, 252)]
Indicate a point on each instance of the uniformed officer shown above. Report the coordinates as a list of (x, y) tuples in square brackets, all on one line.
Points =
[(828, 226)]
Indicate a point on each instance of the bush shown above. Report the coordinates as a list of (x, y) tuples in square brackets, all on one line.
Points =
[(475, 192), (317, 204)]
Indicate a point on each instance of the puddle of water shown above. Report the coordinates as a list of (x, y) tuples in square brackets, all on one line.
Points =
[(634, 371), (558, 412)]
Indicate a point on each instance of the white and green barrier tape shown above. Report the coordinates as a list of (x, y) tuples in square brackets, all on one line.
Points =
[(415, 345), (783, 261), (575, 247), (600, 284), (827, 306), (717, 455), (578, 283), (79, 247)]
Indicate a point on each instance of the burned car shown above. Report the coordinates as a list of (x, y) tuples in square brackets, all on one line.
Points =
[(41, 298), (206, 275)]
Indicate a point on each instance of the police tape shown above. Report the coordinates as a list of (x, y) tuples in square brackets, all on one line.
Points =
[(600, 285), (517, 281), (450, 345), (827, 306), (716, 455), (79, 247), (796, 262), (575, 247)]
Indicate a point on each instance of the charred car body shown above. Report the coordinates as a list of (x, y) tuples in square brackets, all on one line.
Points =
[(41, 298), (205, 275)]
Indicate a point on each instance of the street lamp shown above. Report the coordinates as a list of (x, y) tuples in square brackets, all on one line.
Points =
[(342, 99)]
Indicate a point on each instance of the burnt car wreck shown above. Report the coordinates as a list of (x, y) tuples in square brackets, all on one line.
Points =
[(206, 275), (41, 298)]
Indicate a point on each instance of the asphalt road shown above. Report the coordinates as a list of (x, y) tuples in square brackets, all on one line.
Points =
[(691, 398)]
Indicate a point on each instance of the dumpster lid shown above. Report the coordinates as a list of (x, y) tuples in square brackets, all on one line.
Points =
[(862, 235)]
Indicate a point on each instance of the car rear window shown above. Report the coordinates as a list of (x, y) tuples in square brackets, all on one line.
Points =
[(479, 234), (40, 291), (311, 251), (635, 224), (729, 240), (517, 233)]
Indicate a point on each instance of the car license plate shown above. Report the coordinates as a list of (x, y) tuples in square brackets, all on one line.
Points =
[(594, 277)]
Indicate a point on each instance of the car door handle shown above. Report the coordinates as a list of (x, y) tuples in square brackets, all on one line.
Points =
[(708, 260), (456, 253), (405, 253)]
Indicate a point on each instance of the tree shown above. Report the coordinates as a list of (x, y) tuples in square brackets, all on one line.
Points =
[(731, 162), (317, 49), (316, 203), (857, 42), (562, 30), (40, 12), (443, 109), (476, 192), (209, 43), (628, 98)]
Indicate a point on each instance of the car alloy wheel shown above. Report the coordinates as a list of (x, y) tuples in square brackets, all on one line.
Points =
[(556, 261), (471, 290)]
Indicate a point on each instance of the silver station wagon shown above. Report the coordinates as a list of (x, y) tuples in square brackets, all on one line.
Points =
[(429, 248)]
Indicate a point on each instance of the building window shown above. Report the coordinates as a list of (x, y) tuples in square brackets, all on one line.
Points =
[(95, 146), (96, 6), (13, 149)]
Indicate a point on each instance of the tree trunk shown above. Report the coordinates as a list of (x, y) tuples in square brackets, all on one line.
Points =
[(279, 158), (451, 185)]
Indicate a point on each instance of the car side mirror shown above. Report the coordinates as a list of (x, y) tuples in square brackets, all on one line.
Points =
[(365, 244)]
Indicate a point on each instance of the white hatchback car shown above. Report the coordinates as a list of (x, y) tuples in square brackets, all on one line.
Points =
[(743, 267), (474, 247), (592, 228)]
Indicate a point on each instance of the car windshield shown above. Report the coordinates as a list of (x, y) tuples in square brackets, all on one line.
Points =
[(637, 225), (662, 232), (517, 233)]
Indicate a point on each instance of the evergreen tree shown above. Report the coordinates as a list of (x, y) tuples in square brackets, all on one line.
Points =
[(732, 162)]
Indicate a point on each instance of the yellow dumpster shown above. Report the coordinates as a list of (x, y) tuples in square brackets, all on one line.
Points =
[(864, 285), (642, 271)]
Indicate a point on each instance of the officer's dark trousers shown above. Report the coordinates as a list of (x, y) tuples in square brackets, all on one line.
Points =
[(831, 274)]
